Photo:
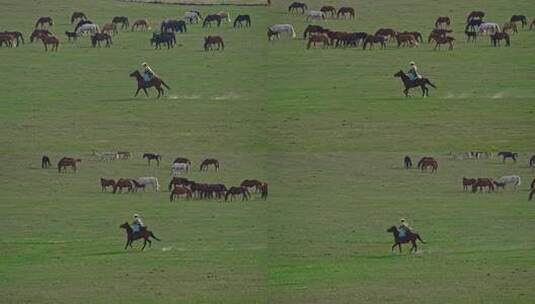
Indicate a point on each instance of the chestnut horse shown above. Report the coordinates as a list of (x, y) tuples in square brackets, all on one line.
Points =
[(313, 39), (154, 82), (179, 181), (409, 84), (429, 163), (123, 183), (210, 41), (410, 237), (68, 162), (444, 40), (441, 21), (36, 34), (314, 29), (44, 20), (209, 161), (406, 39), (344, 11), (132, 236), (105, 183), (481, 183), (50, 40), (178, 191), (387, 33)]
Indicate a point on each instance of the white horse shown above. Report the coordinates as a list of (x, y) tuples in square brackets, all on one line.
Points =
[(315, 15), (224, 15), (192, 17), (489, 28), (149, 180), (179, 168), (87, 28), (282, 28), (106, 156), (509, 179)]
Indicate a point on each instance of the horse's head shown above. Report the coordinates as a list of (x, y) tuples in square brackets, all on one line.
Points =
[(392, 229), (399, 74), (125, 226), (135, 74)]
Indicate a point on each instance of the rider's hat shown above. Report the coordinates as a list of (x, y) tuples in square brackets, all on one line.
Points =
[(136, 215), (412, 63), (402, 220), (144, 64)]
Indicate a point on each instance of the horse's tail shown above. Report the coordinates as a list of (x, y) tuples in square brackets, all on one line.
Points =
[(157, 184), (153, 236), (165, 85), (429, 83), (531, 194), (293, 33), (419, 238)]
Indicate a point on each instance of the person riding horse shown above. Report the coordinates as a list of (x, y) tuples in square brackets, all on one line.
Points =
[(413, 72), (147, 73), (137, 224), (404, 228)]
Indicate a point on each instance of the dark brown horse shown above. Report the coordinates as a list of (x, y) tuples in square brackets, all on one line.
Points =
[(123, 20), (45, 162), (372, 39), (475, 15), (467, 182), (481, 183), (15, 36), (438, 33), (153, 156), (50, 40), (296, 6), (210, 18), (497, 37), (123, 183), (154, 82), (178, 191), (409, 84), (313, 39), (417, 35), (8, 40), (519, 18), (387, 33), (179, 181), (137, 185), (143, 234), (441, 21), (42, 21), (410, 237), (314, 29), (210, 41), (346, 11), (68, 162), (240, 19), (237, 191), (250, 183), (328, 9), (406, 39), (433, 164), (36, 34), (78, 16), (439, 40), (98, 37), (207, 162), (105, 183)]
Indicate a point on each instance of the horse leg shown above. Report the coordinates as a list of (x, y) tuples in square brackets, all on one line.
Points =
[(399, 245), (144, 244), (394, 246), (158, 89), (145, 90), (406, 92), (150, 242), (127, 243), (138, 88)]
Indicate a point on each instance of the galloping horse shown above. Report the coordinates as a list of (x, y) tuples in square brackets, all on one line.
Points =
[(132, 236), (68, 162), (295, 6), (409, 84), (344, 11), (123, 20), (410, 237), (242, 18), (78, 16), (210, 41), (42, 21), (154, 82)]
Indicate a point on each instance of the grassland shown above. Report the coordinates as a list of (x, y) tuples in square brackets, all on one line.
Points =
[(327, 129)]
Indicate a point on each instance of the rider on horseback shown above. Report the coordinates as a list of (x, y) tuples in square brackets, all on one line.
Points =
[(404, 228), (137, 224), (148, 74), (413, 72)]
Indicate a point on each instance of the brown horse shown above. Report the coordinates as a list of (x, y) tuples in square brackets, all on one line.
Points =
[(313, 39), (372, 39), (143, 234), (178, 191), (328, 9), (98, 37), (387, 33), (468, 182), (481, 183), (68, 162), (417, 35), (14, 36), (137, 185), (497, 37), (50, 40), (410, 237), (510, 26), (179, 181), (237, 191), (42, 21), (207, 162), (470, 35), (123, 20), (429, 163), (441, 21), (444, 40), (406, 40), (210, 41), (314, 29), (438, 33), (105, 183), (36, 34), (8, 40), (409, 83), (154, 82), (78, 16), (295, 6), (109, 28), (123, 183), (141, 23), (346, 11)]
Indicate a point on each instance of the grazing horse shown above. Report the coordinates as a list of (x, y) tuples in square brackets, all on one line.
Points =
[(182, 160), (90, 28), (137, 185), (224, 16), (497, 37), (78, 16), (109, 28), (532, 162), (123, 20), (192, 16), (211, 41), (142, 24), (468, 182), (250, 183), (473, 24), (144, 234), (346, 11), (123, 183), (50, 40), (417, 35), (409, 84), (173, 26), (264, 191), (45, 162), (439, 40), (425, 163), (71, 35), (178, 168), (328, 9), (178, 191), (410, 237), (179, 181), (207, 162), (510, 26), (68, 162), (295, 6), (519, 18), (154, 82), (514, 180), (353, 39), (82, 22), (407, 162), (105, 183), (506, 155), (313, 39), (160, 38), (7, 40), (42, 21), (314, 29), (481, 183), (276, 29), (477, 15), (441, 21), (152, 156), (242, 18), (98, 37), (15, 36), (489, 28), (315, 15), (210, 18), (123, 155), (406, 39), (438, 33), (470, 36), (237, 191), (387, 33), (373, 39)]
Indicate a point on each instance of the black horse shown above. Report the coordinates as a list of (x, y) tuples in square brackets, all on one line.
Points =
[(173, 26), (473, 24), (45, 162), (208, 20), (520, 18), (144, 234), (237, 191), (407, 162), (123, 20), (505, 155), (295, 6), (153, 156), (242, 18), (409, 84), (410, 237), (163, 38)]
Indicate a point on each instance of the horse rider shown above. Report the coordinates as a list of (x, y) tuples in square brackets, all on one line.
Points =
[(147, 73), (137, 223), (413, 72), (404, 228)]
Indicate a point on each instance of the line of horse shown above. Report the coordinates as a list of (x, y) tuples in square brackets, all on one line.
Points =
[(189, 189)]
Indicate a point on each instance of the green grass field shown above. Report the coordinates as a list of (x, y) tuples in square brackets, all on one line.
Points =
[(327, 129)]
